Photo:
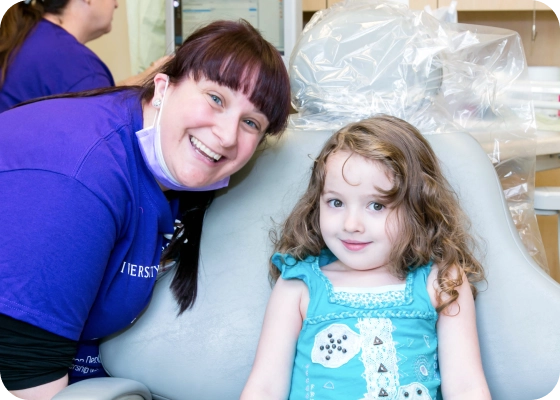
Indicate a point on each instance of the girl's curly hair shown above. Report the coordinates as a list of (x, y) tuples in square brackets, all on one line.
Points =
[(433, 226)]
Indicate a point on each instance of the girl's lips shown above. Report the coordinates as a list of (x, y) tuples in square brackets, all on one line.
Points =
[(354, 246)]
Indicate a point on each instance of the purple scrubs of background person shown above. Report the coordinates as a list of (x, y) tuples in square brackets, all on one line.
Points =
[(51, 61)]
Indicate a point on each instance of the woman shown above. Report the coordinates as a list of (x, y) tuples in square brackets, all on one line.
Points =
[(86, 215), (42, 49)]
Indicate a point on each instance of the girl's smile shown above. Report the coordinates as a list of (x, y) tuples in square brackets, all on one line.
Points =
[(354, 245)]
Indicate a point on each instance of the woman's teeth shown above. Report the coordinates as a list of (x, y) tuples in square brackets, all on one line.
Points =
[(200, 146)]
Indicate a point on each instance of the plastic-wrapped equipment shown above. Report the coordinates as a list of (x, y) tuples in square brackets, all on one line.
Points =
[(363, 57), (446, 14)]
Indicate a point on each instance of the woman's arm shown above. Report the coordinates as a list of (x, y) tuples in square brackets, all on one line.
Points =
[(272, 370), (42, 392), (462, 376), (58, 238)]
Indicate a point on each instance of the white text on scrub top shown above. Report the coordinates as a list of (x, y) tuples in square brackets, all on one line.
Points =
[(139, 271)]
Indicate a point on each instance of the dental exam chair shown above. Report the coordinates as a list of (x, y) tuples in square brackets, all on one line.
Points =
[(207, 353), (354, 59)]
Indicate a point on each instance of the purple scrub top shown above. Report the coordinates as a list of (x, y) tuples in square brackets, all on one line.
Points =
[(82, 219)]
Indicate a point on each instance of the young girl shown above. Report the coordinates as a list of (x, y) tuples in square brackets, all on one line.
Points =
[(374, 298)]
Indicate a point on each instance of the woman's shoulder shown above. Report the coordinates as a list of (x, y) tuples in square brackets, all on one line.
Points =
[(78, 117), (50, 47), (81, 141), (69, 136), (47, 38)]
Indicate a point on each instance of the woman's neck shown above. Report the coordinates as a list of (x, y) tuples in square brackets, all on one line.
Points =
[(70, 25)]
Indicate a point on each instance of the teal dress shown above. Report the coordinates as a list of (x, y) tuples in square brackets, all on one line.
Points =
[(353, 345)]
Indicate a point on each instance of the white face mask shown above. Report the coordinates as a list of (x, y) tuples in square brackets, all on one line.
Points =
[(149, 140)]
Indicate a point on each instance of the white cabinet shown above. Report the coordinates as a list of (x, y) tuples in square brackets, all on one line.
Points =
[(414, 4), (463, 5), (495, 5), (314, 5)]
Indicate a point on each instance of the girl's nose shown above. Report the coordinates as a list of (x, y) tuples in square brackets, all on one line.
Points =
[(353, 222)]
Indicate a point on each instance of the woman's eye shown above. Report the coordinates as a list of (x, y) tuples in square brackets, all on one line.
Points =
[(216, 99), (252, 124), (335, 203), (376, 206)]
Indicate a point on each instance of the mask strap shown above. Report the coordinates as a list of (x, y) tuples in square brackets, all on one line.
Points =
[(159, 152), (157, 117)]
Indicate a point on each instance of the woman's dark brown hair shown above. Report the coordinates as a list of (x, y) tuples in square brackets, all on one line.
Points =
[(235, 55), (18, 22), (432, 226)]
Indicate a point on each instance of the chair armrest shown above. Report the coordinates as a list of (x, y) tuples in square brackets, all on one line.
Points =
[(105, 389)]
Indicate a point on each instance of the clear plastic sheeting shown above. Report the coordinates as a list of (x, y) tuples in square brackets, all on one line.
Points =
[(363, 57)]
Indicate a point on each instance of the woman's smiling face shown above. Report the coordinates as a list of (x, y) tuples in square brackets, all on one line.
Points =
[(208, 131)]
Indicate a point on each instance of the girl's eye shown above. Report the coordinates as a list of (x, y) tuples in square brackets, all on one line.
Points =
[(335, 203), (376, 206), (216, 99)]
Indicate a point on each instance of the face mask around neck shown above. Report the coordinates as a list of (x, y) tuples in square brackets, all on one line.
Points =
[(149, 140)]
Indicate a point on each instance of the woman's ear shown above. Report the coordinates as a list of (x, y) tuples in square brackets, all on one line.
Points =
[(160, 82)]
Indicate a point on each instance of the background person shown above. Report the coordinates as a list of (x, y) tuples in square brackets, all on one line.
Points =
[(43, 52)]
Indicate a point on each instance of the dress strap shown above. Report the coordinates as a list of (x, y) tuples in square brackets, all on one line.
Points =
[(419, 285), (305, 270)]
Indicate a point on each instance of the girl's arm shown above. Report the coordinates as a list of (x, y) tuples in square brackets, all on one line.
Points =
[(462, 376), (272, 370)]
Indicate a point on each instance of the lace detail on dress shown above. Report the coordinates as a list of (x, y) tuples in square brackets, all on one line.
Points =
[(357, 300), (378, 289), (379, 357), (391, 298)]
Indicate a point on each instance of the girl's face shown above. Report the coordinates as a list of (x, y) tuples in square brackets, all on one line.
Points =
[(355, 226), (208, 131)]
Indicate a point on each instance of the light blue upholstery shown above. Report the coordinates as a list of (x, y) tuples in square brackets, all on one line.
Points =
[(206, 354), (106, 388)]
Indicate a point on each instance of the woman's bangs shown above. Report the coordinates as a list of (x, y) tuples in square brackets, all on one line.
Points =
[(261, 80)]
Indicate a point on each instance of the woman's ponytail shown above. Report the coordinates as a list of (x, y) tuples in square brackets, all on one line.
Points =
[(184, 248)]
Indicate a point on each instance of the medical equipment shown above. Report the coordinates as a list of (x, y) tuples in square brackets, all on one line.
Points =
[(279, 21), (207, 352), (363, 57), (156, 28)]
